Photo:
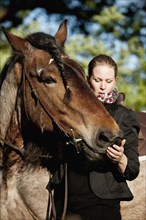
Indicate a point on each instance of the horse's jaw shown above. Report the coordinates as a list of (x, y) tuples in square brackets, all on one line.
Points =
[(91, 154)]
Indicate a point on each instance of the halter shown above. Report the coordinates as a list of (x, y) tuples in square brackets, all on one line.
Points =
[(72, 140), (51, 212)]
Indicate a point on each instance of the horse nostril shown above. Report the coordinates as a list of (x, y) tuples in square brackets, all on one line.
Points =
[(103, 137), (107, 138)]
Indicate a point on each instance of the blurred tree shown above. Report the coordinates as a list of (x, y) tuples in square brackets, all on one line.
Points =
[(129, 54), (82, 10), (116, 28)]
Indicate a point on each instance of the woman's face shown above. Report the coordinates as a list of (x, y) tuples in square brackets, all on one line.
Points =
[(102, 80)]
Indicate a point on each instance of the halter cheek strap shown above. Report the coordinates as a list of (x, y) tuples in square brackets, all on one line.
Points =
[(37, 98), (72, 140)]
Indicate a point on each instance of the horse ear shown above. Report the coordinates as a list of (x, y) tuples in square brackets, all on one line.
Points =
[(61, 33), (18, 44)]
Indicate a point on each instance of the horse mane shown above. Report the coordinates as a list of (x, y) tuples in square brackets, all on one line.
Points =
[(47, 43), (74, 65), (8, 94)]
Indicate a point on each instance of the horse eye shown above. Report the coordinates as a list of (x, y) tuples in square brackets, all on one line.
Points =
[(47, 80)]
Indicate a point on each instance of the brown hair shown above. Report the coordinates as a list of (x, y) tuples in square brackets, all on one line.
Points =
[(102, 59)]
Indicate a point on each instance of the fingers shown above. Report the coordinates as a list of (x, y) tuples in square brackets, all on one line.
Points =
[(115, 152), (123, 142)]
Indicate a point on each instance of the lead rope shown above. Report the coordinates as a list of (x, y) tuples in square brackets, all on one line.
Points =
[(51, 210), (65, 194)]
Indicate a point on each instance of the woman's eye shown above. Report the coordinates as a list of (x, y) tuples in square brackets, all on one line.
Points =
[(96, 80)]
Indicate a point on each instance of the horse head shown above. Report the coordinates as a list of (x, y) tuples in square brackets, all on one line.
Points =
[(52, 92)]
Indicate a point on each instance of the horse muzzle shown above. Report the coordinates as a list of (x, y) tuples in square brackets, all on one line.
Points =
[(103, 141)]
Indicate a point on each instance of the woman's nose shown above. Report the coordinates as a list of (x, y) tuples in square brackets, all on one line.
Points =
[(102, 85)]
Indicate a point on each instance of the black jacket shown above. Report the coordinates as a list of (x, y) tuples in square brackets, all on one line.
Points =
[(93, 183), (103, 178)]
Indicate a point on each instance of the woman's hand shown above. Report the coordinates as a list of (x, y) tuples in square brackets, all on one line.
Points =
[(116, 154)]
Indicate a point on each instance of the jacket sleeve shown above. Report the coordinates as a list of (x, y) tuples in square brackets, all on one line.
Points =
[(130, 127)]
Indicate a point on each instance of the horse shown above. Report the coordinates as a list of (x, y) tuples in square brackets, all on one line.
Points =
[(46, 105)]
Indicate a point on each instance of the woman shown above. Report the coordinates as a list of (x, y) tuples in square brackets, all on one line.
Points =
[(95, 189)]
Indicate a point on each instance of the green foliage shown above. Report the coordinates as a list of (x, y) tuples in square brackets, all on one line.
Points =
[(114, 34), (129, 55), (22, 31), (108, 18)]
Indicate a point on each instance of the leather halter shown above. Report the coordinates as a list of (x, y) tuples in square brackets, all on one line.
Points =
[(72, 140), (51, 212)]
